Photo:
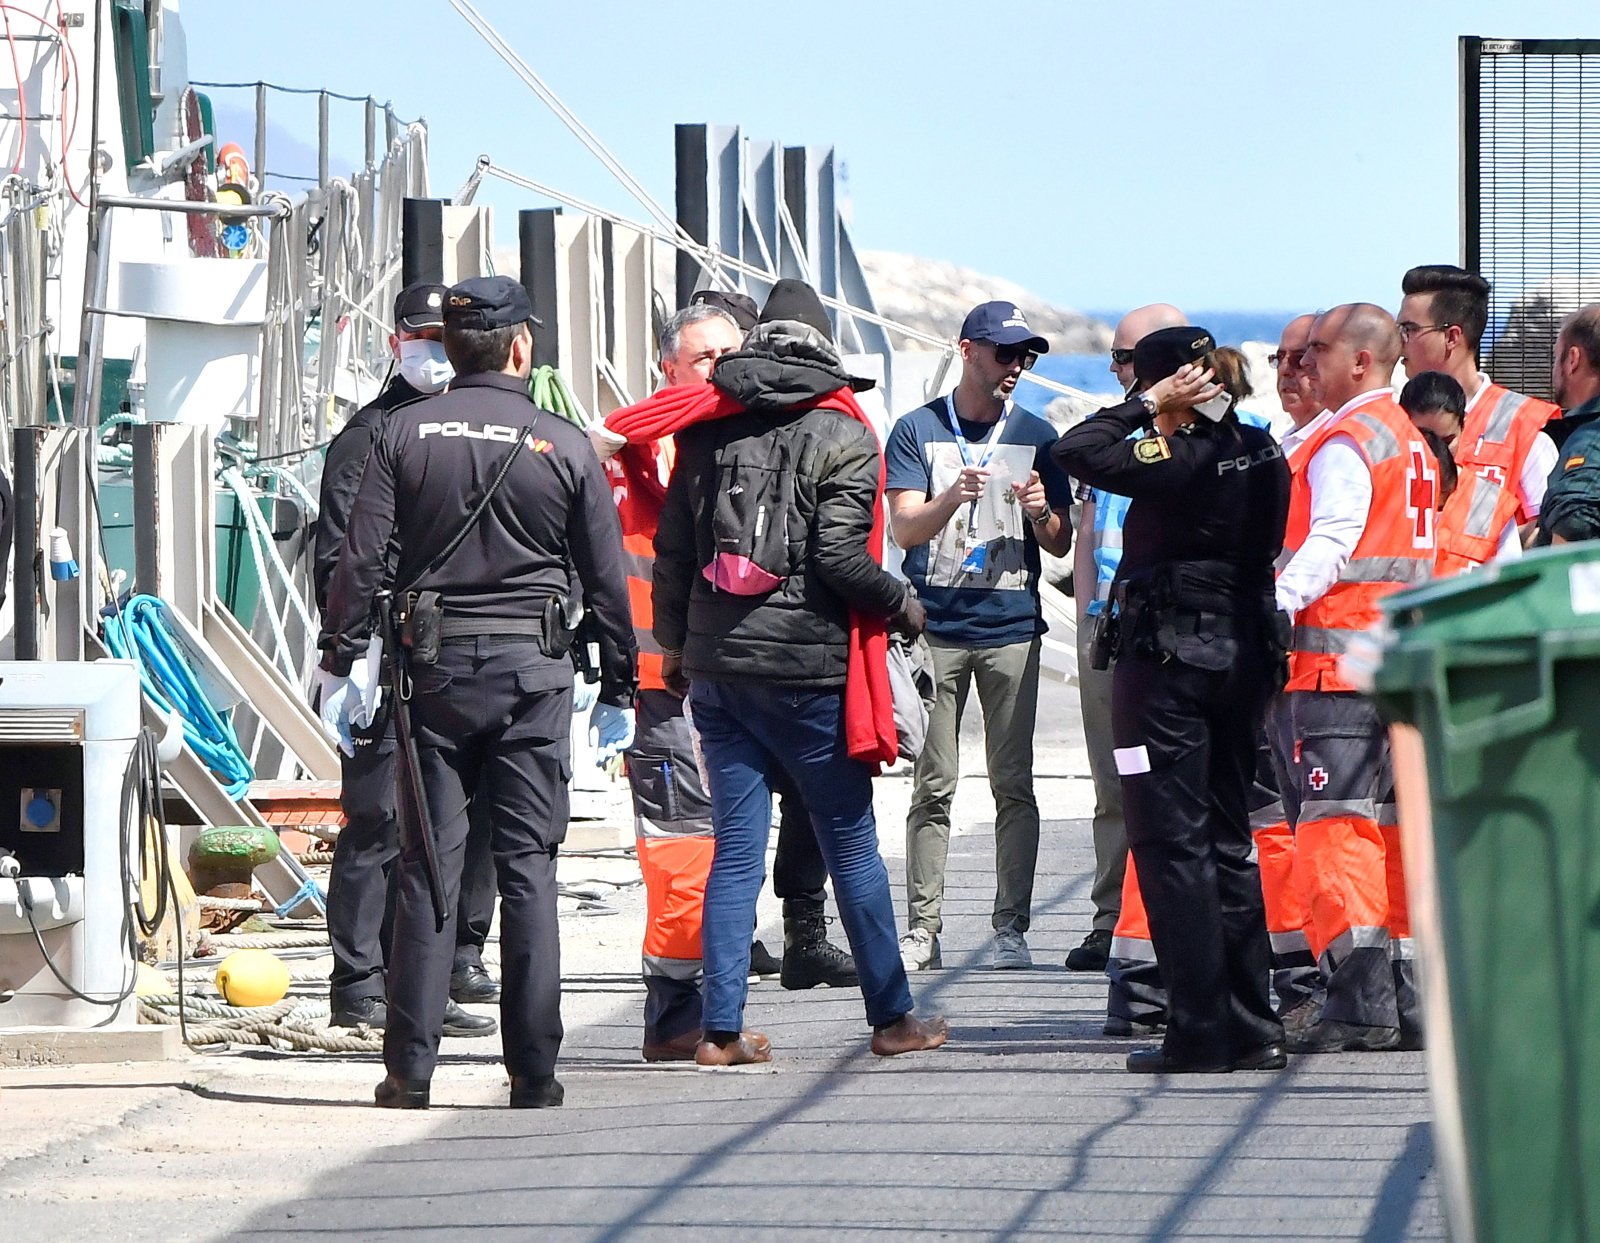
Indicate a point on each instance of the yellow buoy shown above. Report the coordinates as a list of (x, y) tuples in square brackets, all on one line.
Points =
[(252, 978)]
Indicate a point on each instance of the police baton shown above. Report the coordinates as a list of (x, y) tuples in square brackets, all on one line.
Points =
[(416, 825)]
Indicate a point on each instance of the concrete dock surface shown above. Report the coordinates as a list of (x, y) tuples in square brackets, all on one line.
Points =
[(1024, 1127)]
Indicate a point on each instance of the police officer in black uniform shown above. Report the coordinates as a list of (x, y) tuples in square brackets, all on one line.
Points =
[(491, 707), (360, 923), (1198, 651)]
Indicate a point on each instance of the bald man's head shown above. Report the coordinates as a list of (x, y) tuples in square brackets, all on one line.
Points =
[(1134, 327), (1352, 350)]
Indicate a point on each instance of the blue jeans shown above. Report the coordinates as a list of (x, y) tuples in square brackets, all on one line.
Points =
[(748, 732)]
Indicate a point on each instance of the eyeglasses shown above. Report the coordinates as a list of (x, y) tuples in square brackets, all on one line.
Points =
[(1409, 330), (1122, 357), (1005, 355)]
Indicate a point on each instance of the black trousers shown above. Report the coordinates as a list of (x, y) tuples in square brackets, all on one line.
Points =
[(360, 927), (798, 870), (1186, 750), (492, 721)]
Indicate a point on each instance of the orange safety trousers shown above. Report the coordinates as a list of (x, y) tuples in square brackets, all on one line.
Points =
[(675, 871), (1136, 993), (1349, 872), (1295, 976), (672, 819), (1275, 856)]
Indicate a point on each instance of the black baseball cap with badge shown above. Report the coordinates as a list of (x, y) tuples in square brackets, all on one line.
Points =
[(1002, 323), (486, 302), (419, 306), (1162, 352)]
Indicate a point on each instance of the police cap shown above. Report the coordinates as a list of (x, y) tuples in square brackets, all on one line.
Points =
[(1160, 353), (486, 302), (419, 306)]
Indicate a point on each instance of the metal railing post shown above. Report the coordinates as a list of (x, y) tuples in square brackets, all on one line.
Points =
[(261, 136), (96, 280)]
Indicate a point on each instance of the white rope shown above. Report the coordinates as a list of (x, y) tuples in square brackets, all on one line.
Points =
[(567, 117), (708, 259)]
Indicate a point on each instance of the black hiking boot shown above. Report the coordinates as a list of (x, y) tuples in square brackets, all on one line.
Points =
[(809, 958)]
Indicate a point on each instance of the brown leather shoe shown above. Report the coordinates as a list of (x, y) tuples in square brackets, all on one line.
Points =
[(679, 1049), (909, 1034), (749, 1049)]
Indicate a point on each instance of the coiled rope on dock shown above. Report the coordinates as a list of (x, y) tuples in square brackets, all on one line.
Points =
[(294, 1024)]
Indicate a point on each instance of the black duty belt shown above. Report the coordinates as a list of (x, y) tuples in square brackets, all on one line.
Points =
[(1187, 621), (476, 627)]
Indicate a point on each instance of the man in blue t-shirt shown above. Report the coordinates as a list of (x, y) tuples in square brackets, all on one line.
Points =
[(973, 495)]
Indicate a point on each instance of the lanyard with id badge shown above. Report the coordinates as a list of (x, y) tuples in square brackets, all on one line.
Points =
[(975, 551)]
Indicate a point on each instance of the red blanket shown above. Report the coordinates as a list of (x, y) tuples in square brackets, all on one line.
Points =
[(870, 733)]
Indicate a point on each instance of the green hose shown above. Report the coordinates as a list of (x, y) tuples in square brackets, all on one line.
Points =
[(550, 392)]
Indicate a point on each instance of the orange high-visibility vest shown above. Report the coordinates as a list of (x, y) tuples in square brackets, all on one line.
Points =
[(1470, 524), (1496, 435), (1396, 548), (640, 513)]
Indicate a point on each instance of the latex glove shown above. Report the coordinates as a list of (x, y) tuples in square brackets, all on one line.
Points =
[(610, 731), (584, 693), (366, 675), (337, 698), (605, 441)]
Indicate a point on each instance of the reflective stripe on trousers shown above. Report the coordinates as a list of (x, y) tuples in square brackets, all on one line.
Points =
[(1345, 858), (1136, 992)]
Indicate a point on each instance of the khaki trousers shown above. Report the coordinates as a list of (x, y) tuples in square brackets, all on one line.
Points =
[(1007, 679)]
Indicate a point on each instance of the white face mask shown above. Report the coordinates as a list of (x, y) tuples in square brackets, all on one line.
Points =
[(424, 365)]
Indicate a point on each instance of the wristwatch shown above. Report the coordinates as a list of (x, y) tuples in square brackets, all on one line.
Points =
[(1043, 519), (1149, 403)]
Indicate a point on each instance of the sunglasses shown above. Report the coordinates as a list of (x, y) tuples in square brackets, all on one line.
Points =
[(1281, 360), (1122, 357), (1005, 355)]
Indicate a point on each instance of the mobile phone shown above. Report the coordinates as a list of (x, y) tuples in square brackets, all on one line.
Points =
[(1216, 407)]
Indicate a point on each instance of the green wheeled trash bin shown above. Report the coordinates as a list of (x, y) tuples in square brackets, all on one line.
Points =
[(1494, 678)]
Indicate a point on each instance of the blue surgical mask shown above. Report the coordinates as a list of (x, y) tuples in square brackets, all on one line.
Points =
[(424, 365)]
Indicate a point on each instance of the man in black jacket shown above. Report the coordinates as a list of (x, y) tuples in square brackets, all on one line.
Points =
[(360, 921), (762, 555)]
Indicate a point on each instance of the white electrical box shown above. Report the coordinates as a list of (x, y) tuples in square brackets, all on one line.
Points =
[(67, 734)]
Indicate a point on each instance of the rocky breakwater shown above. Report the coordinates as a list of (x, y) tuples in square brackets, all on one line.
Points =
[(933, 297)]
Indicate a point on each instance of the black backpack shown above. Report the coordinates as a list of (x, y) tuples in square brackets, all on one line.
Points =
[(757, 535)]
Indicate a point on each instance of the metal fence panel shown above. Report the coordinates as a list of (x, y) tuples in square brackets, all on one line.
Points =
[(1530, 193)]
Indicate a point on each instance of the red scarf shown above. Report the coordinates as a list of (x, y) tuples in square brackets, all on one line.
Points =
[(870, 734)]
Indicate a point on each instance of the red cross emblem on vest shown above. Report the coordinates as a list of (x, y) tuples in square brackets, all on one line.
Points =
[(1494, 474), (1318, 777), (1421, 497)]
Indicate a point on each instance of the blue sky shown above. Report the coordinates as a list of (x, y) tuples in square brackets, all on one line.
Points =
[(1218, 154)]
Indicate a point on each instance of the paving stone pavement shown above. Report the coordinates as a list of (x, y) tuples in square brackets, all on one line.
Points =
[(1025, 1127)]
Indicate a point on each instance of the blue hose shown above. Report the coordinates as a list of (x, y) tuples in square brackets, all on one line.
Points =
[(138, 632)]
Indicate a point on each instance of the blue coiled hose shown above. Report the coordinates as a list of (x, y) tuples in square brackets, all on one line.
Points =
[(138, 632)]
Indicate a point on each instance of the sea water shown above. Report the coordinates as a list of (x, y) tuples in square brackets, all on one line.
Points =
[(1092, 372)]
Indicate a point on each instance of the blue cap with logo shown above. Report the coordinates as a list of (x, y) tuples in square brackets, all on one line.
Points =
[(1001, 323), (485, 302)]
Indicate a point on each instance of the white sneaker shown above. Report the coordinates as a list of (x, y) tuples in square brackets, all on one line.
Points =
[(919, 950), (1010, 951)]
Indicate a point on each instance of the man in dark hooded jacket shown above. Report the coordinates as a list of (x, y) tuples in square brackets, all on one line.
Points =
[(763, 554)]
